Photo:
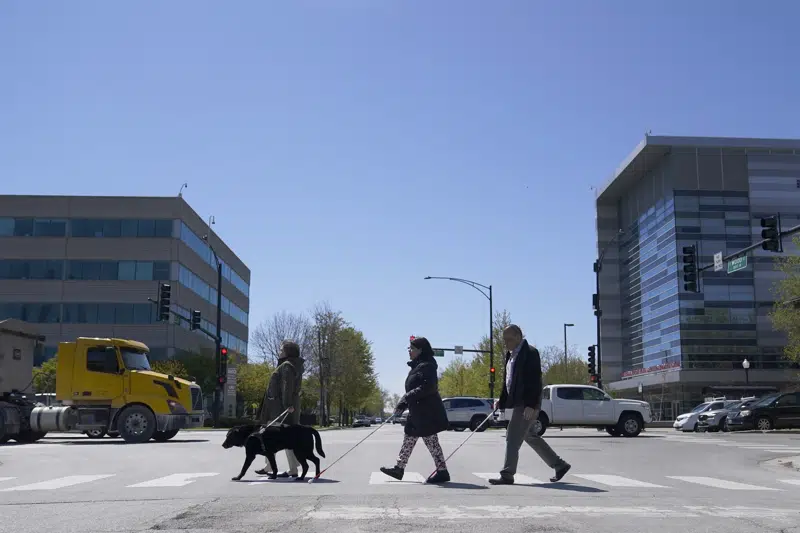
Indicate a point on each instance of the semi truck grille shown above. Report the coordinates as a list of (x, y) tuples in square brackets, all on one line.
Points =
[(197, 399)]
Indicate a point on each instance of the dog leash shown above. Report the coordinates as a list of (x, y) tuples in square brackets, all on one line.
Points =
[(281, 417)]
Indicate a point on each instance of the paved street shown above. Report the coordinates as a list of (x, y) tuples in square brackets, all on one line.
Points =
[(663, 480)]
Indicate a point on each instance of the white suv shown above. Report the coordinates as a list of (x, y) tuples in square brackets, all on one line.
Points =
[(468, 412)]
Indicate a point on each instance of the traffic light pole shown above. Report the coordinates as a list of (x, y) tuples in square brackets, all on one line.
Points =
[(218, 341), (598, 312)]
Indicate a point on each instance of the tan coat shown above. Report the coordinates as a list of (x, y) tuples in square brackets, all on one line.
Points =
[(283, 391)]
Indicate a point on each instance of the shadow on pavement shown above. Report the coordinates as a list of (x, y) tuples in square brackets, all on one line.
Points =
[(598, 436), (267, 481), (455, 485), (122, 442), (567, 487)]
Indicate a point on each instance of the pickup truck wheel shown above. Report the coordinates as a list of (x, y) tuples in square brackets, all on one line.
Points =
[(136, 424), (540, 426), (164, 436), (629, 425), (477, 421), (612, 430), (95, 433)]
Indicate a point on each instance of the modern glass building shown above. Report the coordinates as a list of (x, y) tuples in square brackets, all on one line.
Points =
[(86, 266), (673, 192)]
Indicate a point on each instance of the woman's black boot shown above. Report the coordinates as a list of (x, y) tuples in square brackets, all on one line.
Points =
[(440, 476), (394, 471)]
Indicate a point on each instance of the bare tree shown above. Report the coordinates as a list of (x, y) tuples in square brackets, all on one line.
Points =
[(268, 336)]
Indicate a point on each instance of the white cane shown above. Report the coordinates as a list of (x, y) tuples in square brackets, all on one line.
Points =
[(491, 415)]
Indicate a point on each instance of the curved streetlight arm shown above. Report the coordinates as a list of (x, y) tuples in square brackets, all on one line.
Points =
[(607, 246), (475, 285)]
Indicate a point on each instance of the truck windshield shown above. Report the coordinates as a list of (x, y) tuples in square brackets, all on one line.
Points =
[(134, 359)]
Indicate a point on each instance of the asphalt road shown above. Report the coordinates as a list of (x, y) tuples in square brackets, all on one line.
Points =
[(659, 481)]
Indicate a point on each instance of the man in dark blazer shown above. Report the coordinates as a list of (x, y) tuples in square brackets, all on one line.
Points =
[(522, 393)]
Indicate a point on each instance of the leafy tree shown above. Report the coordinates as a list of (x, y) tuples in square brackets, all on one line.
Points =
[(251, 383), (353, 379), (555, 371), (200, 367), (44, 377), (459, 379), (786, 313), (171, 367)]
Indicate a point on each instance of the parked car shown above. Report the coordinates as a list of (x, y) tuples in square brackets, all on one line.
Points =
[(401, 419), (468, 412), (689, 421), (587, 406), (717, 420), (361, 421), (776, 411)]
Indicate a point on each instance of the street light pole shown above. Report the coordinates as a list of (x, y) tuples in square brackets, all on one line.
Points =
[(481, 289), (746, 366), (598, 312), (565, 347), (218, 335)]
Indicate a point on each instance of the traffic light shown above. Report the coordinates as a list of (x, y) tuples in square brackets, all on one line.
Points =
[(222, 379), (592, 365), (593, 378), (196, 318), (772, 233), (491, 375), (690, 268), (223, 365), (164, 295)]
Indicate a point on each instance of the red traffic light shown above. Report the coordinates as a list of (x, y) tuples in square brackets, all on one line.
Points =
[(223, 352), (221, 380), (491, 370), (593, 378)]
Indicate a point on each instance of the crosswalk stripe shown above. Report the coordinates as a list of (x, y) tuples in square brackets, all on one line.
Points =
[(58, 483), (519, 479), (790, 481), (7, 478), (618, 481), (173, 480), (719, 483), (409, 478), (782, 450)]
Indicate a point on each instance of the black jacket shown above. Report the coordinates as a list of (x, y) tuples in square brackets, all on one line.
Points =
[(426, 413), (526, 381)]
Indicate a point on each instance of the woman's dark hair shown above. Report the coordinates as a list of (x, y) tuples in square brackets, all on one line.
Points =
[(421, 343)]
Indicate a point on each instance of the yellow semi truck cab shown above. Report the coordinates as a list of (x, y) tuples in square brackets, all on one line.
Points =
[(108, 384)]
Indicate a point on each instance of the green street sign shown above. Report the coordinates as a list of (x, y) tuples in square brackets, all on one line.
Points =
[(438, 353), (737, 264)]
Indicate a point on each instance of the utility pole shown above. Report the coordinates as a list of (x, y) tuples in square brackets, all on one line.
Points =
[(218, 342)]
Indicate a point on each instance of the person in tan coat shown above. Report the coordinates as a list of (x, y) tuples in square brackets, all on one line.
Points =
[(283, 392)]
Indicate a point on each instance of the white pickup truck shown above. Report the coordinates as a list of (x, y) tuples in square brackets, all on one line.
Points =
[(587, 406)]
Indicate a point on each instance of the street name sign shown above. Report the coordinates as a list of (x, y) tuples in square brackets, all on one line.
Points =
[(438, 353), (737, 264)]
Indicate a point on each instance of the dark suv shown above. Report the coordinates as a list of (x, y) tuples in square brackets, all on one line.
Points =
[(776, 411)]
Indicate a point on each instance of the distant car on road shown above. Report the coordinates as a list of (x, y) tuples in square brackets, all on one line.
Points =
[(776, 411), (718, 420), (361, 421), (689, 421)]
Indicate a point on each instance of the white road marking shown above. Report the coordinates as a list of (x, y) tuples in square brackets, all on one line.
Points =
[(519, 479), (782, 450), (59, 483), (505, 512), (173, 480), (618, 481), (790, 481), (719, 483), (409, 478), (7, 478)]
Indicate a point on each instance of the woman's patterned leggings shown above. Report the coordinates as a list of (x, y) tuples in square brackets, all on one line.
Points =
[(431, 442)]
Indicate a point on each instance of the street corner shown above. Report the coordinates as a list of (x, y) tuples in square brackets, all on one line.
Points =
[(783, 464)]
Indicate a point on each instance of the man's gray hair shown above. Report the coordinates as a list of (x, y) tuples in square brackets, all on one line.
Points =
[(516, 329)]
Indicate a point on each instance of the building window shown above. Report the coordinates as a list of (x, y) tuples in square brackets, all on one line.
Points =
[(119, 270), (38, 313), (31, 269), (33, 227), (200, 247), (192, 281), (109, 313), (144, 228)]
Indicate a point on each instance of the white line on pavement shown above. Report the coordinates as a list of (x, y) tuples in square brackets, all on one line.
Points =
[(500, 512), (790, 481), (58, 483), (173, 480), (719, 483), (618, 481), (410, 478), (7, 478)]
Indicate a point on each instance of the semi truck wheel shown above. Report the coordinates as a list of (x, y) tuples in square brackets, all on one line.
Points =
[(95, 433), (164, 436), (28, 437), (136, 424)]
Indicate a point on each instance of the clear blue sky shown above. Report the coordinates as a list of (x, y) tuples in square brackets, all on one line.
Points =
[(349, 148)]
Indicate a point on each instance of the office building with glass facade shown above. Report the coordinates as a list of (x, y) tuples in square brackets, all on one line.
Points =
[(86, 266), (673, 192)]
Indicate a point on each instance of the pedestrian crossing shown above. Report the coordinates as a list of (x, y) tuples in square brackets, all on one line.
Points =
[(12, 484), (729, 443)]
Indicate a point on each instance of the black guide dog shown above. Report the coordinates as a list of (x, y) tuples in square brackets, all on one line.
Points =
[(261, 440)]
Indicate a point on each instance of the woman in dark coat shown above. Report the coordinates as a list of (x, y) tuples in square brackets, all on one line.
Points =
[(426, 413)]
